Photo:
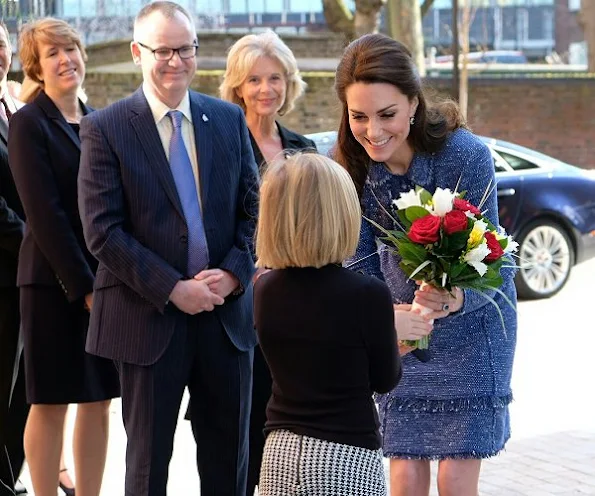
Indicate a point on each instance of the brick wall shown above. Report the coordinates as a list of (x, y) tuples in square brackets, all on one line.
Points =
[(554, 116), (567, 29), (217, 44)]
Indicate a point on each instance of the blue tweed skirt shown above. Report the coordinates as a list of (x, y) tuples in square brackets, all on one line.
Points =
[(455, 405)]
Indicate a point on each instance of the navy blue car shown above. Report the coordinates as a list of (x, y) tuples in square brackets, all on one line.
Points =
[(547, 205)]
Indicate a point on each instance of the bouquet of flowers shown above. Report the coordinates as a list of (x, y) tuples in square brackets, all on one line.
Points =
[(445, 241)]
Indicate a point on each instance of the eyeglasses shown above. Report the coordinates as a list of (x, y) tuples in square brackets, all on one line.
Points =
[(163, 54)]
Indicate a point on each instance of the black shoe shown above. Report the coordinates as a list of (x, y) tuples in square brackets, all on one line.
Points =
[(68, 491), (19, 488)]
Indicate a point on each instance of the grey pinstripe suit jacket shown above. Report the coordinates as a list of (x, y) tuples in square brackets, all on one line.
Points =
[(134, 225)]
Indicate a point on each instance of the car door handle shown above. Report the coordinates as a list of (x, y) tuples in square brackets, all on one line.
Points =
[(506, 192)]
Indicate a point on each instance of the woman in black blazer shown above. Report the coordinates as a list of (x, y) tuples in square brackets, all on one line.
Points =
[(262, 77), (56, 272)]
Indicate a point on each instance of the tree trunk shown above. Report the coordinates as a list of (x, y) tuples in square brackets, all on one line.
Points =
[(587, 21), (338, 18), (464, 76), (404, 20), (367, 16), (393, 19), (455, 50)]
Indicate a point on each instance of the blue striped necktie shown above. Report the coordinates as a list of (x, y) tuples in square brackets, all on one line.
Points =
[(181, 168)]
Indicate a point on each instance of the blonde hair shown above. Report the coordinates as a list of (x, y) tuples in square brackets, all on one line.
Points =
[(310, 214), (241, 59), (48, 30)]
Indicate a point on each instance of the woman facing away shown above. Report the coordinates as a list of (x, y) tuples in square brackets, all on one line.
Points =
[(327, 334), (392, 137), (56, 271)]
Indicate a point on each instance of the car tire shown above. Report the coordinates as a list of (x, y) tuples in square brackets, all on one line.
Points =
[(546, 256)]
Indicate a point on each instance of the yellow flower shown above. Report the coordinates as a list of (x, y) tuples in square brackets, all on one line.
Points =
[(476, 235)]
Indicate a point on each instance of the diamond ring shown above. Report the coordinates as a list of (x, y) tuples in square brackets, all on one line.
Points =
[(445, 307)]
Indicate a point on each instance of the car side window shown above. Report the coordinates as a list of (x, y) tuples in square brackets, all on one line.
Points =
[(517, 163), (499, 164)]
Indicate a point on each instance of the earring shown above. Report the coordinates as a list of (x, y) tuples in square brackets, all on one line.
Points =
[(412, 120)]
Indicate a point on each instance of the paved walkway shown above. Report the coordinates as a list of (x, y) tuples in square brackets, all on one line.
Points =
[(552, 451), (562, 463)]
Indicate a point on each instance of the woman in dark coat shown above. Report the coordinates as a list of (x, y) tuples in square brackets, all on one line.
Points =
[(56, 272), (263, 78)]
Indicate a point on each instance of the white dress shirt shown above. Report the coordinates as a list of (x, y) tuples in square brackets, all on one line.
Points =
[(165, 128)]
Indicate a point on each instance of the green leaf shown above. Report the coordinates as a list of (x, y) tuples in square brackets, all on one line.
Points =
[(425, 196), (406, 223), (414, 213), (456, 269), (414, 252), (458, 241), (419, 268)]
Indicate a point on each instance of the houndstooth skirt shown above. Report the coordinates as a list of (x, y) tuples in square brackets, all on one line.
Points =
[(295, 465)]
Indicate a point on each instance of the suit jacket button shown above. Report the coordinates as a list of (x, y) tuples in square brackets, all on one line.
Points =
[(184, 238)]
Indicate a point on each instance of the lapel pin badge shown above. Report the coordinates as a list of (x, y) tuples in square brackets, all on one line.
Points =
[(205, 118)]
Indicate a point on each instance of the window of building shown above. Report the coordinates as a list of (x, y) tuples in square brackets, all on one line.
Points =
[(574, 4)]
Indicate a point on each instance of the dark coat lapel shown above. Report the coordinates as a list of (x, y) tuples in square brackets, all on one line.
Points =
[(204, 143), (49, 107), (143, 122)]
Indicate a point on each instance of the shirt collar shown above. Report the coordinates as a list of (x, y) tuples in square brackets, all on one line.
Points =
[(160, 110)]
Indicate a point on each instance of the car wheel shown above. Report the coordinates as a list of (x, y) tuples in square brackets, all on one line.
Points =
[(546, 257)]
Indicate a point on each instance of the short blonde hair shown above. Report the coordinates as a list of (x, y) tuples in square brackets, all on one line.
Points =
[(47, 30), (310, 214), (241, 59)]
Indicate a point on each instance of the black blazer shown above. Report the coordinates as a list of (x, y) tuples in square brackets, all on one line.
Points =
[(44, 152), (11, 217), (289, 141)]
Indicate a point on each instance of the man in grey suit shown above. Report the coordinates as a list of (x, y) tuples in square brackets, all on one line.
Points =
[(168, 198)]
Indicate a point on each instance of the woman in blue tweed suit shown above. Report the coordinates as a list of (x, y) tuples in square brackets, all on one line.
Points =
[(454, 407)]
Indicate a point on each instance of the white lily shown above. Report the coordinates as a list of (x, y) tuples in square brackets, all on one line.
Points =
[(409, 199), (442, 201), (512, 245), (475, 256)]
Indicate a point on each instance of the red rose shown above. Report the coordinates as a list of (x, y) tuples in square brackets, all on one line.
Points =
[(496, 250), (425, 230), (464, 205), (454, 221)]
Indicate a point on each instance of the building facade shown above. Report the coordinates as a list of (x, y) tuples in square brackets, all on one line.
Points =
[(537, 27)]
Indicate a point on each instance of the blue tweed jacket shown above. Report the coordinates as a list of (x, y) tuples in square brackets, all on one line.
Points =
[(472, 351)]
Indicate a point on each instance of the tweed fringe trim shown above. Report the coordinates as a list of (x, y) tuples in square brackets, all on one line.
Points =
[(422, 405), (472, 455)]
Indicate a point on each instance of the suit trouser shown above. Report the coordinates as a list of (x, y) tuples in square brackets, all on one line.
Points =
[(13, 405), (219, 378)]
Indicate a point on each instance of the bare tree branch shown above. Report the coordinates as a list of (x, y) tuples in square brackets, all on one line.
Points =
[(425, 7)]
